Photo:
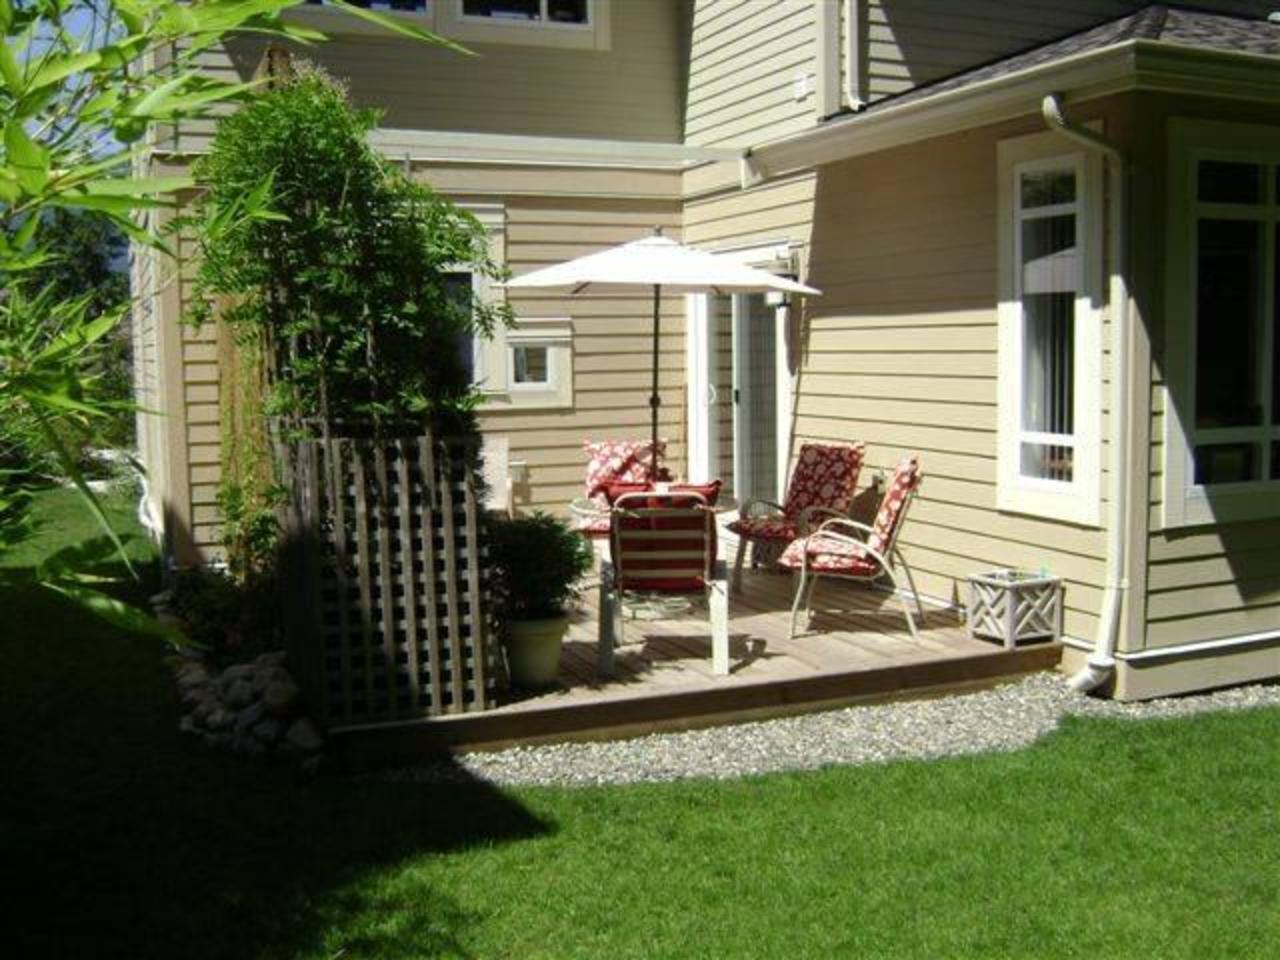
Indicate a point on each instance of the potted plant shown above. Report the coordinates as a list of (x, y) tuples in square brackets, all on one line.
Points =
[(538, 563)]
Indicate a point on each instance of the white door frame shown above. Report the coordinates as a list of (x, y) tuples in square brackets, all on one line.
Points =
[(703, 429)]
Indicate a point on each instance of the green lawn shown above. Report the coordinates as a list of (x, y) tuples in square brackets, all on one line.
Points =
[(118, 838)]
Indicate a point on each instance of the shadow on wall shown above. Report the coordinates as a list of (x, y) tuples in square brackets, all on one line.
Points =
[(122, 838)]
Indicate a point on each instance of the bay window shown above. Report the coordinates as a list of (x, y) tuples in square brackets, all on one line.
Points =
[(1223, 383)]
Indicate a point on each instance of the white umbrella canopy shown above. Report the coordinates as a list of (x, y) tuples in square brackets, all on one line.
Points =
[(658, 262)]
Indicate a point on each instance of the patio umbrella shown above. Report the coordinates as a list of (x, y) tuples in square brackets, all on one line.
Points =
[(658, 262)]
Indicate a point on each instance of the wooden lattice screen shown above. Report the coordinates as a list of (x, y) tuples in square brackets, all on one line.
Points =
[(389, 578)]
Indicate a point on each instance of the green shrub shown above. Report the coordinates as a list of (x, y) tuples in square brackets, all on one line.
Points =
[(538, 563), (229, 620)]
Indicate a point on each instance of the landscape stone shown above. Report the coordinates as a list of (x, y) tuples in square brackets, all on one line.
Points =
[(219, 719), (188, 724), (304, 736), (239, 693), (281, 697), (247, 717), (268, 730)]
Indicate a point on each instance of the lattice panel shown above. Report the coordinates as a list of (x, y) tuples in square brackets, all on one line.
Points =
[(393, 574)]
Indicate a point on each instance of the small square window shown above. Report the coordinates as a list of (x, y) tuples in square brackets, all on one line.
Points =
[(1222, 181), (530, 365)]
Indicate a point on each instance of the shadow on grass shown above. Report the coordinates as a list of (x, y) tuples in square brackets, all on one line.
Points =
[(118, 837)]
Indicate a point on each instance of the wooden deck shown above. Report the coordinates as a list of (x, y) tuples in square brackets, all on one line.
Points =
[(857, 649)]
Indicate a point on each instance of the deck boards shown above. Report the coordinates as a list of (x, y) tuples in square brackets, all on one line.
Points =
[(858, 648)]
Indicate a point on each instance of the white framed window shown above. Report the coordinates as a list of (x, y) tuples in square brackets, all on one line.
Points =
[(485, 358), (555, 13), (540, 362), (572, 24), (419, 7), (1050, 331), (1222, 390)]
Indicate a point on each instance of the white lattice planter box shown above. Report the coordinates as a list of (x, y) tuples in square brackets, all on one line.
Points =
[(1012, 606)]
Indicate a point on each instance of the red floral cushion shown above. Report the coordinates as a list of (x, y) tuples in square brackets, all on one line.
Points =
[(826, 554), (825, 475), (906, 477), (613, 491), (597, 528), (775, 527), (709, 492), (618, 461)]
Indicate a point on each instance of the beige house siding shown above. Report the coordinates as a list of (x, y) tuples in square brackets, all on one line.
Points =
[(901, 353), (744, 62), (1207, 582), (634, 91), (612, 342), (550, 215)]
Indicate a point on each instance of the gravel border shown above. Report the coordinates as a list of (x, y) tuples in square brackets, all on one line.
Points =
[(1008, 717)]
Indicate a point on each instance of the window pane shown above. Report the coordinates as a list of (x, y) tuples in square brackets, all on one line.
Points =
[(1050, 260), (1228, 323), (458, 293), (529, 365), (1275, 328), (1046, 462), (1047, 188), (1048, 363), (1225, 182), (1226, 463), (503, 9), (567, 11)]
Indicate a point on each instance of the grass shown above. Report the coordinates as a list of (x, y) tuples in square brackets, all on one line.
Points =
[(118, 838)]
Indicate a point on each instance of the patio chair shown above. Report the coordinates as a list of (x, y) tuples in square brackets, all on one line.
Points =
[(848, 550), (663, 543), (822, 482), (616, 461)]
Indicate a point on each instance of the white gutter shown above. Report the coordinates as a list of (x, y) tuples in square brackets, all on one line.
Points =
[(1102, 662)]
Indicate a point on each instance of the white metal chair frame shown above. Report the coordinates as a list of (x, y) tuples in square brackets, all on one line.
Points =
[(613, 572), (884, 560)]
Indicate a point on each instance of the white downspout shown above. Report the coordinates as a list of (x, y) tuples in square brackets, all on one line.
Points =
[(1101, 663)]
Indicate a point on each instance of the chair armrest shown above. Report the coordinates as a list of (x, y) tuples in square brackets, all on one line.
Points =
[(744, 511), (806, 518), (829, 531)]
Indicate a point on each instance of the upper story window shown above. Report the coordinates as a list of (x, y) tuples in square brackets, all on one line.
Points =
[(1223, 391), (573, 12), (1050, 386), (422, 7)]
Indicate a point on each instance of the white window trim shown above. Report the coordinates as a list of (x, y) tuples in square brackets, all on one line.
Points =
[(543, 23), (556, 334), (489, 356), (445, 17), (1080, 500), (1184, 503)]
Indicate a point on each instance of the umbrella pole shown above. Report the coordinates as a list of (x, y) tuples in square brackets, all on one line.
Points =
[(654, 400)]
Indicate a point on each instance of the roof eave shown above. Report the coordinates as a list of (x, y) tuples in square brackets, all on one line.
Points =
[(1134, 64)]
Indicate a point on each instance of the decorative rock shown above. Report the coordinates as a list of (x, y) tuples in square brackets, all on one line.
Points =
[(275, 658), (268, 730), (264, 676), (192, 675), (247, 717), (281, 697), (219, 719), (303, 736), (205, 708), (188, 724), (237, 671), (162, 599), (239, 693)]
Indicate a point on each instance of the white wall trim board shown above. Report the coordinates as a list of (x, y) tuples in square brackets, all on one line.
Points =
[(443, 146), (1242, 641)]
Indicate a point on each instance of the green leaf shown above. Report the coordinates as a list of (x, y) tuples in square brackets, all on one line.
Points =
[(10, 72), (115, 612), (28, 160), (137, 187), (6, 15), (396, 25), (59, 68)]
